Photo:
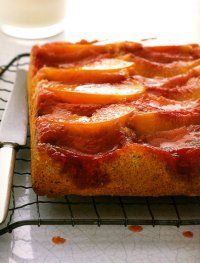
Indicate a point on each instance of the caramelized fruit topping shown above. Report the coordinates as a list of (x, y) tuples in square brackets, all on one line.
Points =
[(94, 99)]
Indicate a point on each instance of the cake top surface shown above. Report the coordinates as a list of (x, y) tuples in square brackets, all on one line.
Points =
[(92, 100)]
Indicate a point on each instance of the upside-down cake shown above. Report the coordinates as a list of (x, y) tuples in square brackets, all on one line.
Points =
[(115, 119)]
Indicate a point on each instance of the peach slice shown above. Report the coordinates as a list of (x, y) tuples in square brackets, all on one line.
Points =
[(181, 147), (63, 52), (159, 114), (109, 63), (181, 87), (151, 69), (95, 93), (167, 54), (105, 117), (102, 72), (96, 134), (173, 140)]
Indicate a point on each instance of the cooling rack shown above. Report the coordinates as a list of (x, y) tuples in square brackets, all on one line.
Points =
[(27, 208)]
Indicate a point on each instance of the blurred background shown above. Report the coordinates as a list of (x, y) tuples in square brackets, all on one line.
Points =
[(172, 21)]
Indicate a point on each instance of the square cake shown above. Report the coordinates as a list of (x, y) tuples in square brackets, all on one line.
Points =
[(115, 119)]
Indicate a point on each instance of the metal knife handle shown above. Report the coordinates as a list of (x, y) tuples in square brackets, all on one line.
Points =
[(7, 161)]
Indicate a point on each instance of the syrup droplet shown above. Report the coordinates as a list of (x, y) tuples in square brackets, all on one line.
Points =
[(58, 240), (188, 234), (135, 228)]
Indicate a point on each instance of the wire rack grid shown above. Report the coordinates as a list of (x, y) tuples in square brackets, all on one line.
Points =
[(27, 208)]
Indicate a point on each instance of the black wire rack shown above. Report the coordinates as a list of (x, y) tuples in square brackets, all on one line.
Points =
[(27, 208)]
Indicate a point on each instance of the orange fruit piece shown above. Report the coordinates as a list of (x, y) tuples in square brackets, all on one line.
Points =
[(99, 133), (106, 117), (157, 114), (103, 71), (96, 93)]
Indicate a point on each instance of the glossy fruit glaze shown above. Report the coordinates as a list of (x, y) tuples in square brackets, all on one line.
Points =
[(93, 101)]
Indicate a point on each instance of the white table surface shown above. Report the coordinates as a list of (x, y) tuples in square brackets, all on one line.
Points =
[(131, 20)]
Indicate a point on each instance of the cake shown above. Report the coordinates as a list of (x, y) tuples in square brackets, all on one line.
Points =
[(115, 119)]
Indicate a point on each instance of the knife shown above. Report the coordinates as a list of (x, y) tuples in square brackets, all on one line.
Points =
[(13, 132)]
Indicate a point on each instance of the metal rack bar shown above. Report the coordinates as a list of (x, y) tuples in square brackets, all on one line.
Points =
[(150, 212), (38, 210), (70, 210), (123, 211), (17, 58), (96, 211), (177, 212)]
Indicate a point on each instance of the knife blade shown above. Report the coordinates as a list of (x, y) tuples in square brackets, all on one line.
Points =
[(13, 132)]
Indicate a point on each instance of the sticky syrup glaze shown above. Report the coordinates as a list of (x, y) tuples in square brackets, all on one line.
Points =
[(135, 228), (179, 149), (169, 74), (188, 234), (67, 54), (58, 240), (182, 146)]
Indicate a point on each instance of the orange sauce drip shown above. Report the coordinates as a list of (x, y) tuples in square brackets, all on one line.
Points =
[(58, 240), (188, 234), (135, 228)]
